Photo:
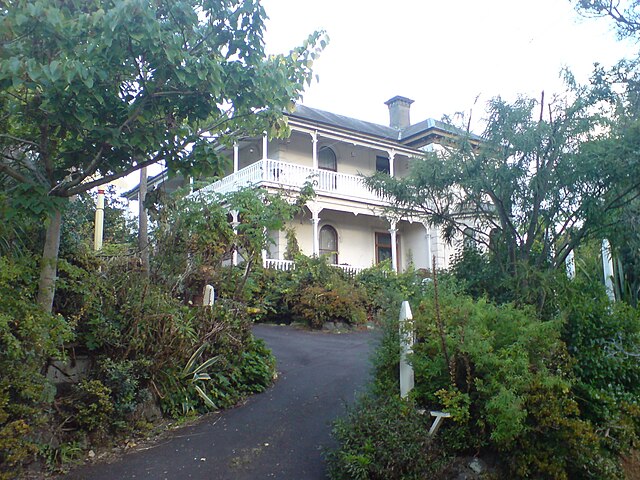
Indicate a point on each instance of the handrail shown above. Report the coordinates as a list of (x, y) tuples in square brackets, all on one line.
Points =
[(289, 175)]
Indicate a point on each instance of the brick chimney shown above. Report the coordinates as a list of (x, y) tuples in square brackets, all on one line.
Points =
[(399, 108)]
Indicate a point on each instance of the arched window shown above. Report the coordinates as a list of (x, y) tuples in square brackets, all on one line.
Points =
[(327, 159), (329, 243)]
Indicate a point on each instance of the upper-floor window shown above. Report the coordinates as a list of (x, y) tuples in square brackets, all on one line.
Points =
[(382, 165), (327, 159), (329, 243)]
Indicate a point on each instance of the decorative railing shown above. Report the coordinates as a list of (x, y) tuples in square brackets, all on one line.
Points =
[(287, 265), (289, 175), (280, 264)]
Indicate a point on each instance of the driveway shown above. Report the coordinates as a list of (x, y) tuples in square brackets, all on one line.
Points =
[(277, 434)]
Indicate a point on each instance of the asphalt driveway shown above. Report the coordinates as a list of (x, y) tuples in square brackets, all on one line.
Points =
[(276, 434)]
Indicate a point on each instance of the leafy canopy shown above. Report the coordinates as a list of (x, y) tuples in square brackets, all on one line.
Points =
[(91, 90)]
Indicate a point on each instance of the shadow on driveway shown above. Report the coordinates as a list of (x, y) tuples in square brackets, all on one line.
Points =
[(277, 434)]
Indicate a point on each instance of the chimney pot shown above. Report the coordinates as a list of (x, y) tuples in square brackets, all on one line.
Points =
[(399, 112)]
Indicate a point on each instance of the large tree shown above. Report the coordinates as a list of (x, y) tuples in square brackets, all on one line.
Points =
[(625, 13), (541, 178), (92, 90)]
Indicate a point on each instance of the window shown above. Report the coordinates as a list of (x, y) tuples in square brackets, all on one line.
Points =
[(383, 247), (382, 165), (329, 243), (327, 159)]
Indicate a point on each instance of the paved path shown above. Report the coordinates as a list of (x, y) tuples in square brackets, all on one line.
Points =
[(277, 434)]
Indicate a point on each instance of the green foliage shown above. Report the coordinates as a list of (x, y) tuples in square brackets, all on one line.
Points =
[(91, 404), (542, 178), (90, 92), (384, 439), (313, 292), (28, 337), (506, 378), (604, 340)]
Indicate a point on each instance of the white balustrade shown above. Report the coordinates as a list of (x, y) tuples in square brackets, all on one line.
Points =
[(275, 264), (289, 175)]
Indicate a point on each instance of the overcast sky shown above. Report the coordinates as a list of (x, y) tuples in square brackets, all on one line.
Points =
[(442, 54)]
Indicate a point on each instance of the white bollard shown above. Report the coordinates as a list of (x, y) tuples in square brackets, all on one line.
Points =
[(570, 263), (209, 296), (607, 267), (407, 380)]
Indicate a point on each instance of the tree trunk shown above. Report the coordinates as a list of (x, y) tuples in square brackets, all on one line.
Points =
[(143, 220), (48, 268)]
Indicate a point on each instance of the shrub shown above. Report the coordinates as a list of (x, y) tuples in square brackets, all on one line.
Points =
[(28, 337), (384, 439), (604, 340)]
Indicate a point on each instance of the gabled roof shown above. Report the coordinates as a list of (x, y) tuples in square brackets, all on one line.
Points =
[(409, 136), (335, 120)]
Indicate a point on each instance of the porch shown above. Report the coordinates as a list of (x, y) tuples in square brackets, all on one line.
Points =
[(290, 176)]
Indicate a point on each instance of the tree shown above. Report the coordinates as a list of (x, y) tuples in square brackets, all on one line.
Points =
[(91, 91), (540, 179), (626, 13)]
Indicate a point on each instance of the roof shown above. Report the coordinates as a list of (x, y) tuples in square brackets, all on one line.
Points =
[(428, 126)]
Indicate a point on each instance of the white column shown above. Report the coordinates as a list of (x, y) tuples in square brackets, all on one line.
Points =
[(394, 246), (607, 266), (99, 221), (236, 157), (407, 339), (427, 236), (392, 155), (570, 264), (314, 151), (265, 143), (264, 250), (316, 235), (235, 224)]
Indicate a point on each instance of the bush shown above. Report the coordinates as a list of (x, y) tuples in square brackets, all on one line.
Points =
[(314, 293), (506, 378), (28, 337), (384, 439), (604, 340)]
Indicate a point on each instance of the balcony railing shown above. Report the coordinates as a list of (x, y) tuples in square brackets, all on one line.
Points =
[(287, 265), (285, 175)]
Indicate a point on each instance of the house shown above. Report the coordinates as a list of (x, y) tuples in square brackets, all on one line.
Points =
[(345, 221)]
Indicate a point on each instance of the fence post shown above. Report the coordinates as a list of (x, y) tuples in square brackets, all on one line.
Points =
[(607, 267), (209, 296), (407, 380)]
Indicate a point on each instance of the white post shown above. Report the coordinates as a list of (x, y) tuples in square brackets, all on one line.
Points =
[(236, 157), (316, 234), (264, 250), (394, 246), (99, 221), (264, 147), (570, 263), (392, 155), (407, 380), (607, 266), (427, 237), (314, 151), (209, 296), (235, 223)]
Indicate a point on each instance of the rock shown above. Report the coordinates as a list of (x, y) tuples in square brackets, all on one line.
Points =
[(329, 327), (149, 410), (342, 326), (91, 454), (478, 466)]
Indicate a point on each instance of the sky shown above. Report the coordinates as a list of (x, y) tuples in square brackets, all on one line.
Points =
[(442, 54), (447, 56)]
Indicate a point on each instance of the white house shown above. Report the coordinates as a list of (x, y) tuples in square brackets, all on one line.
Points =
[(345, 221)]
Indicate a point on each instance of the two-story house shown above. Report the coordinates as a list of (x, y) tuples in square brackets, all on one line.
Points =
[(345, 221)]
